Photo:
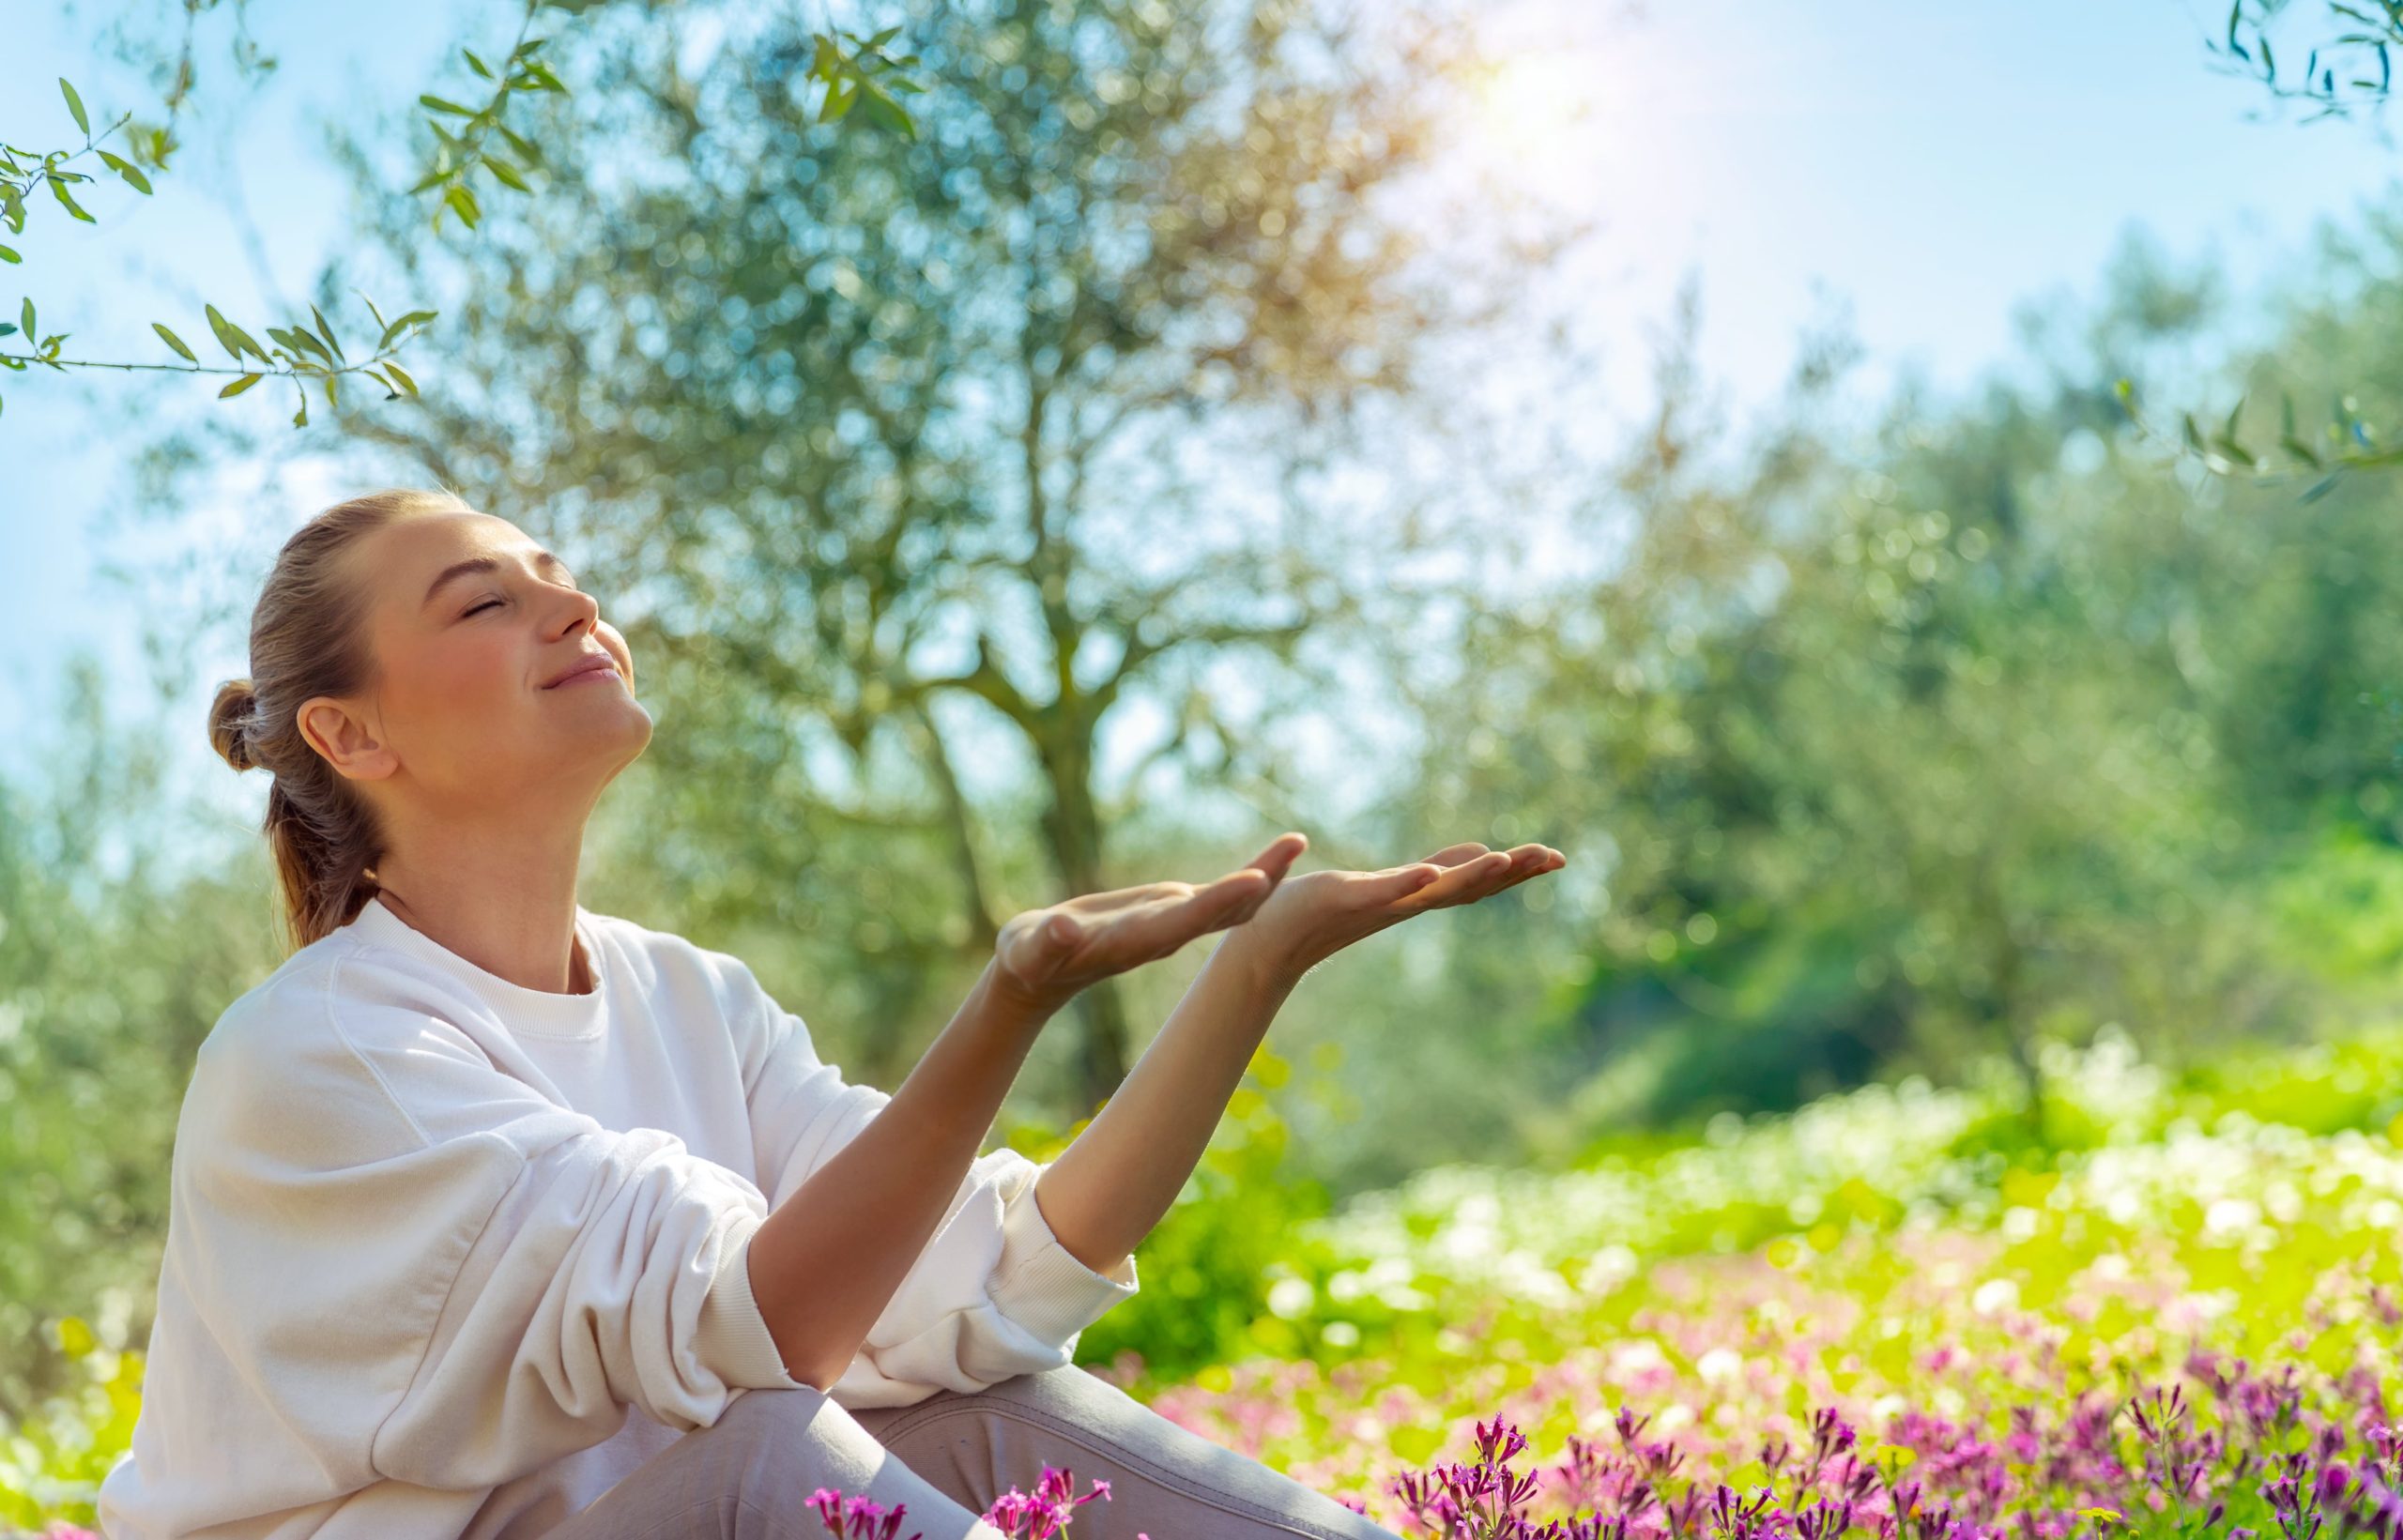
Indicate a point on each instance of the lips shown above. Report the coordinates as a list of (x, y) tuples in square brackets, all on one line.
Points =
[(592, 662)]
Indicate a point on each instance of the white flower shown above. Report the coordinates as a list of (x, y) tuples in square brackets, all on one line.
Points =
[(1994, 1295), (1720, 1363), (2228, 1214), (1291, 1297)]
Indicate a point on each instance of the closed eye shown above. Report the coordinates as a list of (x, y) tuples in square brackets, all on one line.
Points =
[(486, 604)]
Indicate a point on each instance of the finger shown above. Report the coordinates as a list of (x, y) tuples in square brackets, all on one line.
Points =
[(1281, 852), (1458, 880), (1229, 900), (1548, 859), (1404, 881), (1061, 934), (1526, 861), (1452, 855)]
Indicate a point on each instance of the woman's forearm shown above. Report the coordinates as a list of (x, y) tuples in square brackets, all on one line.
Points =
[(1110, 1187), (832, 1254)]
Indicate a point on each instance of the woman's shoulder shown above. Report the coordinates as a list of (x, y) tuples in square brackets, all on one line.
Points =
[(664, 961)]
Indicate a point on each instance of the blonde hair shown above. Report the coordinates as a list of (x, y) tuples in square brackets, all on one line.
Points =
[(309, 638)]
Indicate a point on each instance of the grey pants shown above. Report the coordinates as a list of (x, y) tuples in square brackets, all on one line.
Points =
[(749, 1475)]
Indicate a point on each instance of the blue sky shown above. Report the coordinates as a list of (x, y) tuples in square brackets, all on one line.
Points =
[(1928, 166)]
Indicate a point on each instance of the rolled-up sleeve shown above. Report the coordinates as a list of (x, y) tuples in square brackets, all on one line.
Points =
[(992, 1294)]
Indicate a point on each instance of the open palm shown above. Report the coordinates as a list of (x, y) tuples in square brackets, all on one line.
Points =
[(1311, 917), (1047, 955)]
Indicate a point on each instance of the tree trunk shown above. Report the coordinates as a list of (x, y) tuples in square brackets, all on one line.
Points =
[(1072, 824)]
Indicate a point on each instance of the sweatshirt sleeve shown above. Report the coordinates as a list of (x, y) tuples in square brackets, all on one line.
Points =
[(428, 1271), (993, 1293)]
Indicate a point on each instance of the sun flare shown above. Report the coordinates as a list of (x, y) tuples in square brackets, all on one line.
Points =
[(1535, 118)]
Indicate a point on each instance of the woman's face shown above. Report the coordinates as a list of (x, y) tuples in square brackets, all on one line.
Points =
[(471, 622)]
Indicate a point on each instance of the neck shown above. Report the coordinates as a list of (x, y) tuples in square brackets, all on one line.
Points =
[(501, 895)]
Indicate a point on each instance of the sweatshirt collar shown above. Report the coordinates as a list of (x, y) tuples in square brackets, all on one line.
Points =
[(537, 1012)]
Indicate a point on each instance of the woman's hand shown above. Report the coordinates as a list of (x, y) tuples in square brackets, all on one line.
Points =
[(1311, 917), (1044, 956)]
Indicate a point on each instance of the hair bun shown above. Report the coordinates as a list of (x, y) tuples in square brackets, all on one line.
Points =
[(229, 721)]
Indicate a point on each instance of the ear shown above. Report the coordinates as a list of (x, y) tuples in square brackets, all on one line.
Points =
[(345, 739)]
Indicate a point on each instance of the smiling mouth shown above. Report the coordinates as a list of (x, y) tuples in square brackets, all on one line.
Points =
[(588, 672)]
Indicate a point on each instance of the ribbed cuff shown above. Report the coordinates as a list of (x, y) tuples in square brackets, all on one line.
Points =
[(1040, 1284), (733, 1338)]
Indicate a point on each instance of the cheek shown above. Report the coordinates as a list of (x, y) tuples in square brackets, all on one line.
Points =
[(463, 680)]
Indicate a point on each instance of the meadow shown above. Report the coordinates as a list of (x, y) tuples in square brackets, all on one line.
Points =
[(1889, 1313)]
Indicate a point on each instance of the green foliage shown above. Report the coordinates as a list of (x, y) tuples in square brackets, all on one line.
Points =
[(855, 70), (301, 354), (1209, 1268)]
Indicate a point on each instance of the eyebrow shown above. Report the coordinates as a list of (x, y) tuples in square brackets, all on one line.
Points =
[(481, 564)]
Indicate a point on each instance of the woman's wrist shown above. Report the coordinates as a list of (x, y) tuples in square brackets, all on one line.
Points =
[(1007, 1003), (1270, 968)]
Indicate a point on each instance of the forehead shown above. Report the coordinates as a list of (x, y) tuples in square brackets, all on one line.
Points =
[(407, 557), (428, 541)]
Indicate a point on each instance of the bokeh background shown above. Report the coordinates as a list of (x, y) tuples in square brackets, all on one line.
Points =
[(1689, 436)]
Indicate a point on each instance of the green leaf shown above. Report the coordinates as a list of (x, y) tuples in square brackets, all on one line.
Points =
[(370, 306), (464, 201), (2322, 487), (525, 151), (127, 169), (225, 331), (885, 113), (402, 322), (476, 64), (25, 319), (506, 172), (8, 254), (175, 342), (240, 385), (298, 340), (330, 398), (58, 190), (441, 106), (326, 332), (75, 105), (839, 101), (400, 376), (8, 329), (2194, 437)]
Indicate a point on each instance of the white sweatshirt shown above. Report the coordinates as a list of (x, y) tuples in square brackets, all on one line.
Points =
[(448, 1257)]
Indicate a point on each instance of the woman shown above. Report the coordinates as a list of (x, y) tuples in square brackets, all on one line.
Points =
[(494, 1216)]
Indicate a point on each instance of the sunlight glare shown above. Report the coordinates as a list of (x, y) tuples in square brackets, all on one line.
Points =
[(1535, 119)]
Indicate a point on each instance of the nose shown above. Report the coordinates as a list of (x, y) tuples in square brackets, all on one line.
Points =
[(583, 611)]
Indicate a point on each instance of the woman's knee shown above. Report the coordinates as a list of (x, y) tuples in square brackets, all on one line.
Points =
[(977, 1445), (783, 1444)]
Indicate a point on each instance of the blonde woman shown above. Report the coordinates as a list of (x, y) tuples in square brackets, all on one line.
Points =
[(494, 1216)]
